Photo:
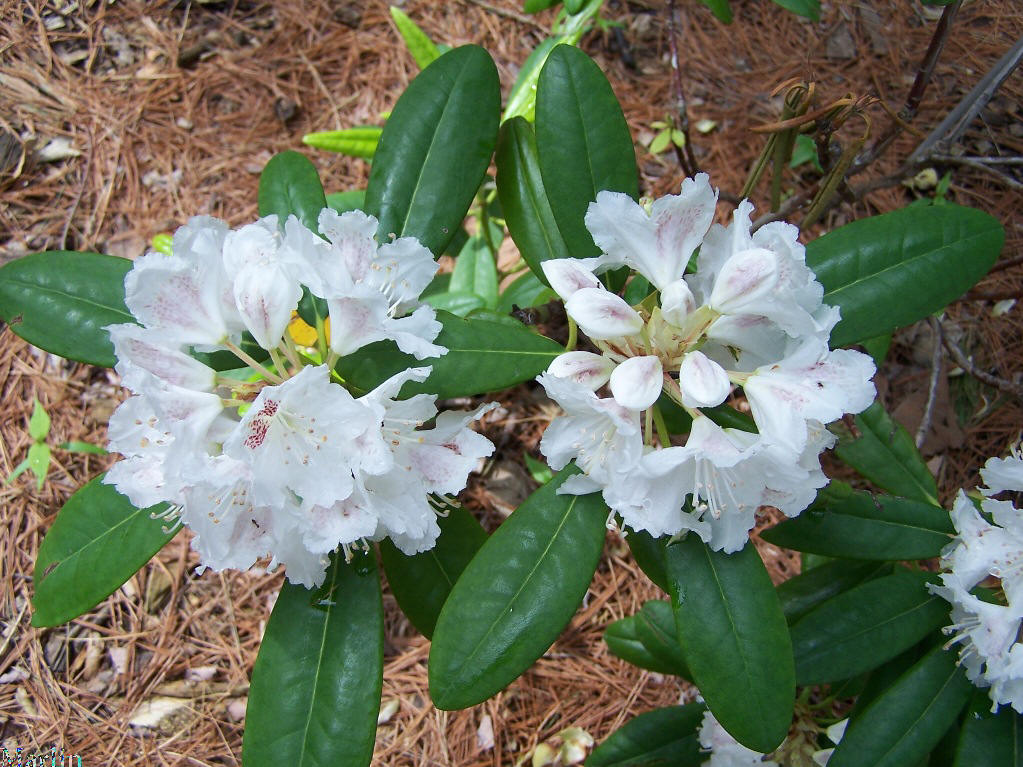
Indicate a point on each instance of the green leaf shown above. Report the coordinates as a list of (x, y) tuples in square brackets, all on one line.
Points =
[(524, 292), (422, 582), (98, 541), (583, 142), (535, 6), (863, 627), (75, 446), (878, 347), (660, 142), (342, 202), (859, 525), (435, 149), (458, 302), (422, 48), (649, 555), (720, 9), (574, 6), (516, 595), (655, 628), (664, 737), (804, 150), (993, 740), (538, 470), (20, 469), (289, 185), (622, 638), (38, 422), (476, 272), (811, 9), (39, 462), (902, 725), (482, 356), (885, 454), (61, 300), (734, 638), (522, 97), (523, 196), (912, 262), (316, 683), (799, 595), (353, 142)]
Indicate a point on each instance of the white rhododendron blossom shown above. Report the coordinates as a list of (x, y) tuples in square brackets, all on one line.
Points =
[(988, 544), (724, 750), (276, 458), (750, 317)]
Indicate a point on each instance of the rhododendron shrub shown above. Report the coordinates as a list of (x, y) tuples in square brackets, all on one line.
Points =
[(286, 398)]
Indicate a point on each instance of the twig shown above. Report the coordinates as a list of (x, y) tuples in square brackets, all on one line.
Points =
[(961, 360), (323, 88), (932, 388), (992, 295), (1007, 264), (506, 13), (979, 164), (685, 155)]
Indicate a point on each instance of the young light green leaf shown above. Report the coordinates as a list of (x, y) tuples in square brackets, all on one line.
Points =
[(422, 48), (353, 142), (342, 202), (460, 303), (39, 462), (435, 149), (482, 356), (20, 469), (316, 683), (863, 627), (422, 582), (911, 261), (538, 470), (61, 300), (516, 595), (290, 186), (75, 446), (583, 142), (522, 97), (664, 736), (476, 271), (523, 196), (905, 722), (98, 541), (885, 453), (841, 520), (524, 292), (734, 639), (38, 422)]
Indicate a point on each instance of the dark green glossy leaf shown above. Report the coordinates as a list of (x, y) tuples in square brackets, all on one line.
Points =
[(664, 737), (863, 627), (906, 721), (877, 347), (912, 262), (858, 525), (523, 197), (524, 292), (435, 148), (583, 142), (342, 202), (482, 356), (720, 9), (354, 142), (811, 9), (992, 740), (885, 453), (98, 541), (476, 272), (810, 588), (316, 683), (655, 628), (623, 641), (649, 555), (734, 638), (422, 582), (289, 185), (516, 595), (61, 300)]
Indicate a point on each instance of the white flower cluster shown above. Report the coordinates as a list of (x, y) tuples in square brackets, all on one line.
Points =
[(725, 751), (751, 315), (988, 545), (282, 460)]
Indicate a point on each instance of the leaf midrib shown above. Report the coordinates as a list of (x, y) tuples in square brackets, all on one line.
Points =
[(319, 663), (35, 287)]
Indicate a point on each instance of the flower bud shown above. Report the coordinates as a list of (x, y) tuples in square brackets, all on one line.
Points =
[(601, 314), (704, 383), (677, 302), (586, 368), (567, 275), (636, 383)]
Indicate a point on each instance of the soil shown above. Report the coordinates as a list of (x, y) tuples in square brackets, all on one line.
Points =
[(120, 120)]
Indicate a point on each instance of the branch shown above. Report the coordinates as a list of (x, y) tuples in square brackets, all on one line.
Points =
[(685, 154), (1008, 387)]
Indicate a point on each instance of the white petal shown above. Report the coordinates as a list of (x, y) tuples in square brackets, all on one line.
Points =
[(602, 314), (585, 368), (356, 321), (137, 347), (622, 229), (1000, 474), (703, 382), (414, 333), (567, 275), (636, 383), (677, 302), (744, 279), (266, 297)]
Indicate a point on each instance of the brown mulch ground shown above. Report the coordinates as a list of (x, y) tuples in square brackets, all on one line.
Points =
[(170, 109)]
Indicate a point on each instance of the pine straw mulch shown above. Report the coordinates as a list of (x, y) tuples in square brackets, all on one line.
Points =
[(168, 110)]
